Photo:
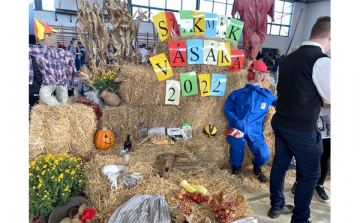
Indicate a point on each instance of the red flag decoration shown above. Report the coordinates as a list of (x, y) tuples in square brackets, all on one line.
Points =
[(173, 25), (237, 59), (177, 51)]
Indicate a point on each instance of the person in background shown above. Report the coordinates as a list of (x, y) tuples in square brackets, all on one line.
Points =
[(143, 52), (258, 56), (61, 46), (83, 54), (71, 43), (303, 86), (34, 88), (274, 68), (75, 51)]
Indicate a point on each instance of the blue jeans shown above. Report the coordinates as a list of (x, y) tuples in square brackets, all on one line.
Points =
[(306, 146), (77, 64)]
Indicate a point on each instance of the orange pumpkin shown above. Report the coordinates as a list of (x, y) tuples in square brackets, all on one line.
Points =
[(104, 139)]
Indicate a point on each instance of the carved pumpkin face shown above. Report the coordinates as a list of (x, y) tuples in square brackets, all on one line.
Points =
[(104, 139)]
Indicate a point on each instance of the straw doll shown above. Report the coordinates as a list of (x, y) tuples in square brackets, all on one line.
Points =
[(245, 110), (55, 64)]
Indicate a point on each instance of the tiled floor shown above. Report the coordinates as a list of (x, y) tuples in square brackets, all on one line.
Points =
[(260, 204)]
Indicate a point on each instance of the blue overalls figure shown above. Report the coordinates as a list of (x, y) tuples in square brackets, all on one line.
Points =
[(245, 110)]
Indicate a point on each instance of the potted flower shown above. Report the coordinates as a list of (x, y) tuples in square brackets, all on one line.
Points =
[(52, 180)]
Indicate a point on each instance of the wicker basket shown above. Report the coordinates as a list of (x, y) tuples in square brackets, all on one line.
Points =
[(61, 212)]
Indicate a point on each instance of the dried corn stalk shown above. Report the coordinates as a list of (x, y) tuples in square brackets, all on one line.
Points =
[(99, 33)]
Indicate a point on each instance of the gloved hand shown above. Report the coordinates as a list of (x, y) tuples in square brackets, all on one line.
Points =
[(234, 132)]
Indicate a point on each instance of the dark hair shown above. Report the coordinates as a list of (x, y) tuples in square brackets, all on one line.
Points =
[(321, 29), (71, 41), (79, 43)]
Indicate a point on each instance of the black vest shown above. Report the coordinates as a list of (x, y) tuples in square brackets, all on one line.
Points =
[(298, 104)]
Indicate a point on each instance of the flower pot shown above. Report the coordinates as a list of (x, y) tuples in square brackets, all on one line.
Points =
[(110, 99)]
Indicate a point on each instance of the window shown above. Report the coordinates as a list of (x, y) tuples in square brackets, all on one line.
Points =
[(282, 15), (156, 6), (48, 5), (221, 7)]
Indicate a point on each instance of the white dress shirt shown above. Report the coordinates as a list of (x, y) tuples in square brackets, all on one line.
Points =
[(320, 75)]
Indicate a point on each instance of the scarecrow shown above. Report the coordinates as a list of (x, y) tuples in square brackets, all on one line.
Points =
[(56, 65), (245, 110), (254, 15)]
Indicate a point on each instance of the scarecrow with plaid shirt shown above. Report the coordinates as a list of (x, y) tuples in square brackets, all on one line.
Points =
[(56, 65)]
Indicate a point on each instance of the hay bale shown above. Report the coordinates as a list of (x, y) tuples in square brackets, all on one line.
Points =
[(97, 187), (66, 128), (140, 86)]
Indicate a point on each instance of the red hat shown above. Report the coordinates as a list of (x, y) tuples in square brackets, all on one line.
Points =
[(256, 65)]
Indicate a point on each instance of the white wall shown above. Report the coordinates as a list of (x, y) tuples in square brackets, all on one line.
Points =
[(70, 5), (48, 17), (281, 42), (314, 11)]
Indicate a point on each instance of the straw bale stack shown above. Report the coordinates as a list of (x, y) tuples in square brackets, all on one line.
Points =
[(66, 128), (97, 187)]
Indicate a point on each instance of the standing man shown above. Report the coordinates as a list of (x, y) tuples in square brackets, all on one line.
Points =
[(83, 54), (303, 86), (254, 15)]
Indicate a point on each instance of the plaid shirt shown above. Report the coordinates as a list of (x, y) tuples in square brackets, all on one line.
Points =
[(56, 65), (254, 15)]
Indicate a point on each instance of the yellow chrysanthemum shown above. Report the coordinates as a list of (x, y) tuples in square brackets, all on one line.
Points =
[(80, 181), (39, 185), (67, 171), (73, 172), (44, 166), (45, 196), (42, 173), (61, 176)]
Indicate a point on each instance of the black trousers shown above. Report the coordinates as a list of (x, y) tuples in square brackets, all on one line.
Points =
[(324, 162), (306, 146)]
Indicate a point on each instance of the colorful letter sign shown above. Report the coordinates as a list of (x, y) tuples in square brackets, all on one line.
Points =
[(205, 84), (161, 66), (210, 52), (199, 23), (237, 59), (173, 25), (186, 23), (177, 51), (172, 92), (195, 51), (162, 25), (224, 54), (189, 83), (210, 24), (218, 85), (234, 30), (222, 25)]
